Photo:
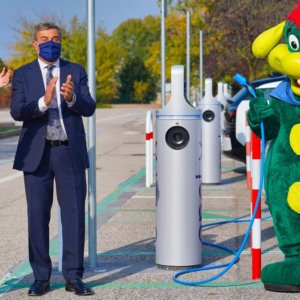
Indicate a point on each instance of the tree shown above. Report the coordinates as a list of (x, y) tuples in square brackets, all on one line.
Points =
[(74, 42), (132, 41), (107, 66), (136, 83), (134, 36), (176, 44), (24, 51), (233, 26), (141, 91), (229, 29)]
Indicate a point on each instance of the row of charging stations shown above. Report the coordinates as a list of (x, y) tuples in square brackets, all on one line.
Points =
[(188, 153)]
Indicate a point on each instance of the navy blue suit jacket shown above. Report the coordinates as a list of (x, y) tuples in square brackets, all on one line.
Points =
[(28, 88)]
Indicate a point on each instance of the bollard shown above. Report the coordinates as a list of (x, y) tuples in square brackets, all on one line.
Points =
[(149, 149), (256, 229)]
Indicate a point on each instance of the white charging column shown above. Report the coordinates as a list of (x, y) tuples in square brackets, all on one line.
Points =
[(178, 184), (211, 136), (220, 95), (227, 92), (222, 99)]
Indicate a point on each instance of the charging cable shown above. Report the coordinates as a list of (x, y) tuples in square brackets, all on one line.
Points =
[(227, 266)]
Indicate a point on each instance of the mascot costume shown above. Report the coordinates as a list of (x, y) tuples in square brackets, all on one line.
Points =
[(281, 116)]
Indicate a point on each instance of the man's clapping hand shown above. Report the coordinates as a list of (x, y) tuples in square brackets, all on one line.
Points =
[(67, 89), (50, 90), (4, 77)]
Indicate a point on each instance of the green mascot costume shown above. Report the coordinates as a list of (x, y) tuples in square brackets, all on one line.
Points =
[(281, 116)]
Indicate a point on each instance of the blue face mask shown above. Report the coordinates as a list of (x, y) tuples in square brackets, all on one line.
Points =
[(50, 51)]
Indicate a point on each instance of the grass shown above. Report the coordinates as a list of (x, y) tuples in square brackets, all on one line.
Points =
[(2, 129), (101, 105)]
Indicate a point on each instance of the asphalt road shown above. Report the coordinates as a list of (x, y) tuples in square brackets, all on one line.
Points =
[(126, 266)]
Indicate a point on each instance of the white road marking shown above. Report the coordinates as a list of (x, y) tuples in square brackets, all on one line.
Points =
[(131, 132), (143, 197), (4, 162), (206, 197), (101, 120), (218, 197), (10, 177)]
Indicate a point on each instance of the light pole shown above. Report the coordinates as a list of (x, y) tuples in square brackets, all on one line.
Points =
[(188, 58), (201, 64), (163, 52), (92, 221)]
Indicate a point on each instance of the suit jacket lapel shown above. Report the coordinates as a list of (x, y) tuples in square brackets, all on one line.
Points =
[(36, 77), (65, 70)]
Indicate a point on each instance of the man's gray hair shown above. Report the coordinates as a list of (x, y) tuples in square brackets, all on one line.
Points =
[(45, 26)]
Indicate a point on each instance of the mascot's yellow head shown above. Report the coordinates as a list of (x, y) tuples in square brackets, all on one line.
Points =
[(284, 58)]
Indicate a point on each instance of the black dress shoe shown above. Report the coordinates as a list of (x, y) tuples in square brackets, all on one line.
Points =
[(39, 288), (78, 287)]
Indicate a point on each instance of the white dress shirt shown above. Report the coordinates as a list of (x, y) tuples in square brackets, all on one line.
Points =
[(55, 72)]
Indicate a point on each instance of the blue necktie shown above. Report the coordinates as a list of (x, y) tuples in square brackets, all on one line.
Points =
[(54, 129)]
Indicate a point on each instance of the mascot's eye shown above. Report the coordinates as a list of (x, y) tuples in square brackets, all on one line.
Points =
[(294, 42)]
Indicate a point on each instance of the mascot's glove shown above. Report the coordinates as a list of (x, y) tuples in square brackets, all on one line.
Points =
[(259, 109)]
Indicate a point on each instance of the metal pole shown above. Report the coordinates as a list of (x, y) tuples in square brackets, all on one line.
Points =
[(92, 222), (163, 53), (188, 59), (201, 63)]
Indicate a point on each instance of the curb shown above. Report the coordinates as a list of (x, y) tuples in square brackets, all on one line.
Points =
[(9, 133)]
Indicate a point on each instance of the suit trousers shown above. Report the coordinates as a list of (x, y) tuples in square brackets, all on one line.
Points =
[(56, 164)]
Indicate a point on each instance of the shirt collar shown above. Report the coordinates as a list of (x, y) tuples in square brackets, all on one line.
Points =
[(44, 65)]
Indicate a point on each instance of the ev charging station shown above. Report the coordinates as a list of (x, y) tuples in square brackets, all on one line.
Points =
[(211, 136), (178, 184), (222, 99)]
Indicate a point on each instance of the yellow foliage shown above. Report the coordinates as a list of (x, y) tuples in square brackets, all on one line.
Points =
[(140, 91)]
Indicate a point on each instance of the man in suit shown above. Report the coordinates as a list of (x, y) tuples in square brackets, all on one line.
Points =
[(50, 96)]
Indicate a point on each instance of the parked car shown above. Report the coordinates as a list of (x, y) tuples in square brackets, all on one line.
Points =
[(234, 135)]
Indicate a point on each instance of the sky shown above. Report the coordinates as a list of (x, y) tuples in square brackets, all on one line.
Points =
[(109, 13)]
